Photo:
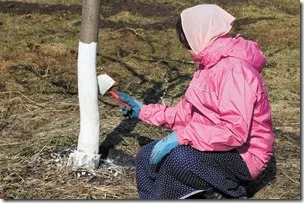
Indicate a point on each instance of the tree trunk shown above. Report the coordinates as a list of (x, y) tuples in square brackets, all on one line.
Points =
[(86, 154)]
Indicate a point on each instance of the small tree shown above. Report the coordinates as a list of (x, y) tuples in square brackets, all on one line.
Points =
[(86, 154)]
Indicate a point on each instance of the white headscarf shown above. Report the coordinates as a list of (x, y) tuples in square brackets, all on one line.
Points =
[(203, 24)]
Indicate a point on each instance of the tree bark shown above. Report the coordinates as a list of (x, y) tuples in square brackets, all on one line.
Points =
[(90, 21)]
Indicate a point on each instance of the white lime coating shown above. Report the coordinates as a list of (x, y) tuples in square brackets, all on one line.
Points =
[(86, 154)]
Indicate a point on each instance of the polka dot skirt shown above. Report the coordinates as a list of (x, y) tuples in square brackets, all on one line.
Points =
[(186, 170)]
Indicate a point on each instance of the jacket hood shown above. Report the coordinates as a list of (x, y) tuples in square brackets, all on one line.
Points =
[(237, 47)]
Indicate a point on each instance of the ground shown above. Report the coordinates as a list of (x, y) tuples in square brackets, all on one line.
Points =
[(39, 112)]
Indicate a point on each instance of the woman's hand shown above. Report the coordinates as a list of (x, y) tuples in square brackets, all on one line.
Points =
[(135, 106), (163, 147)]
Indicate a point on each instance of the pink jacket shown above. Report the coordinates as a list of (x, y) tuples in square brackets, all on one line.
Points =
[(225, 106)]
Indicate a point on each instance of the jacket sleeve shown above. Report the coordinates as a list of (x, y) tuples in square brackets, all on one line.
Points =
[(236, 104), (173, 118)]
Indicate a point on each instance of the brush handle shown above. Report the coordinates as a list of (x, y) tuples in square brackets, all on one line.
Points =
[(117, 98)]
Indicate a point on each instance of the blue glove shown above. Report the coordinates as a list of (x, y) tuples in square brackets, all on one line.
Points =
[(163, 147), (135, 106)]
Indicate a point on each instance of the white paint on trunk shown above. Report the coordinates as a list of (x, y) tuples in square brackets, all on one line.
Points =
[(86, 154)]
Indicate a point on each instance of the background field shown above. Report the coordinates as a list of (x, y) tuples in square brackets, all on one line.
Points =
[(39, 112)]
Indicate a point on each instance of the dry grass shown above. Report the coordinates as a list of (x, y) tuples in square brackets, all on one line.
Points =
[(39, 113)]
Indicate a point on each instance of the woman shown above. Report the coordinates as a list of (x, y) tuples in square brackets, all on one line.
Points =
[(222, 130)]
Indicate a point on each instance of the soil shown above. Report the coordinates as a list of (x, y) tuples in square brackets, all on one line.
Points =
[(108, 8)]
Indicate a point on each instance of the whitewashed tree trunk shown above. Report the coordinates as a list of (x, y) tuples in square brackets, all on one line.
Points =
[(86, 154)]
